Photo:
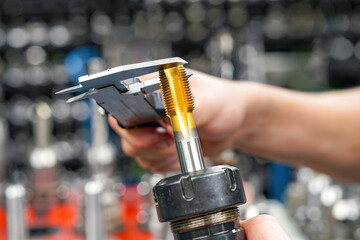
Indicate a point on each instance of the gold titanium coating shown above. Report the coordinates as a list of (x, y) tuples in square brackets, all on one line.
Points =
[(177, 98), (179, 105), (224, 216)]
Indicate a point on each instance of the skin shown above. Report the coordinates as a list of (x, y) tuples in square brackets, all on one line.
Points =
[(263, 227), (319, 130)]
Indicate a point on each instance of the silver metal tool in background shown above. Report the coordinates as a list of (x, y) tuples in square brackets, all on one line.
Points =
[(15, 208), (3, 143), (94, 216), (101, 158), (43, 162)]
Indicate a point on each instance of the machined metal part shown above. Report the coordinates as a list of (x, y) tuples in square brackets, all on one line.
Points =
[(3, 142), (94, 218), (120, 93), (202, 204), (179, 105), (223, 224), (43, 162), (42, 125), (216, 218), (101, 154), (15, 212), (101, 158), (189, 151)]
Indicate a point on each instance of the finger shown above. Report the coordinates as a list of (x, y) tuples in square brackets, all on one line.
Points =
[(263, 227), (142, 137), (165, 124), (149, 76), (202, 99), (161, 165), (173, 166), (159, 150), (213, 148)]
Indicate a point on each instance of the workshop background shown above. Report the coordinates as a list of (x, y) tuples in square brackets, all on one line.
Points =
[(45, 45)]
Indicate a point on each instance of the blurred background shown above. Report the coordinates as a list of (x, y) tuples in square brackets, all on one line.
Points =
[(45, 45)]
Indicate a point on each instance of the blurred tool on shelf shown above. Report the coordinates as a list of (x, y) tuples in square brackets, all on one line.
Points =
[(15, 207), (323, 207), (94, 212), (43, 163), (46, 45), (4, 135)]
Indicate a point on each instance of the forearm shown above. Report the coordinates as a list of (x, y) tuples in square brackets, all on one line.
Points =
[(321, 131)]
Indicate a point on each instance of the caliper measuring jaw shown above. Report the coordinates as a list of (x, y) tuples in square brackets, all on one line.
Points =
[(119, 92)]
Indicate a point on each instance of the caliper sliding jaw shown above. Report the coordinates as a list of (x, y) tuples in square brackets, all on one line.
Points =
[(120, 92)]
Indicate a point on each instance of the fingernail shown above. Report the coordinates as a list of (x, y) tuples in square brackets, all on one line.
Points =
[(160, 130)]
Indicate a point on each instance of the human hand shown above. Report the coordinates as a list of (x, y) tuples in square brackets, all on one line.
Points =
[(263, 227), (218, 115)]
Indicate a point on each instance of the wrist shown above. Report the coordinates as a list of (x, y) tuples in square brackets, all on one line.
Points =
[(256, 100)]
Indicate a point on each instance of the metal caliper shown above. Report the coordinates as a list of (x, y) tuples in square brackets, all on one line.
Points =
[(200, 203)]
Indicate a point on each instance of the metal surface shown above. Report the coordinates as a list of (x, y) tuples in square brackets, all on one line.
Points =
[(120, 93), (115, 76), (43, 163), (202, 204), (15, 209), (3, 143), (42, 125), (101, 155), (101, 158), (216, 218), (179, 105), (94, 218), (189, 151), (42, 156)]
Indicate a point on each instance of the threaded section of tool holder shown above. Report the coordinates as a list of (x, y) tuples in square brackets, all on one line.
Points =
[(211, 219)]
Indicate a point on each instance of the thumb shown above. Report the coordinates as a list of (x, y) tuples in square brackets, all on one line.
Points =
[(263, 227)]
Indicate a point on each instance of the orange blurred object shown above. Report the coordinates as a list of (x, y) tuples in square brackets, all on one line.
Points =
[(64, 216)]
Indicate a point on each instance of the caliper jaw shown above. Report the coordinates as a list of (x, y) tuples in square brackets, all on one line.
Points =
[(121, 94)]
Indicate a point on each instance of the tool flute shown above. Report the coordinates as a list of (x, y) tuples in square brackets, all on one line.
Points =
[(179, 105)]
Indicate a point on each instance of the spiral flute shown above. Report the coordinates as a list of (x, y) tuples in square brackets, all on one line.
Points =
[(179, 105)]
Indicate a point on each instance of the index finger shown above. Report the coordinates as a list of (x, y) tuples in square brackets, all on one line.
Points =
[(141, 137)]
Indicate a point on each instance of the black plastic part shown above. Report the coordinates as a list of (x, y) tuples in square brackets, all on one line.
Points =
[(208, 190)]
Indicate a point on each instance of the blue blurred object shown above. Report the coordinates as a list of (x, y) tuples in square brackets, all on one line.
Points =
[(279, 176), (75, 63)]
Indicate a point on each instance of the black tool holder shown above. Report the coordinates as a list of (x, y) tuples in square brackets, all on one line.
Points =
[(202, 204)]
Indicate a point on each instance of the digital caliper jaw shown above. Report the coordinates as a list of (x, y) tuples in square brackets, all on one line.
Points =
[(120, 93)]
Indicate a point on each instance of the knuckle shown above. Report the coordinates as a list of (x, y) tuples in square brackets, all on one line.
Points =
[(128, 149), (140, 144), (143, 163)]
